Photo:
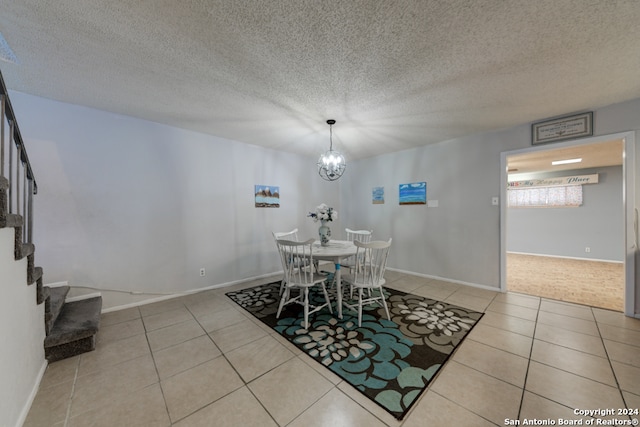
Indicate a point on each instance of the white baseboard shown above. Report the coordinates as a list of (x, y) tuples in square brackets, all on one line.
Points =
[(57, 284), (445, 279), (34, 391), (235, 282), (81, 297), (181, 294), (567, 257)]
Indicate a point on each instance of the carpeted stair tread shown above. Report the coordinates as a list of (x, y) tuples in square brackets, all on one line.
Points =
[(4, 209), (11, 220), (77, 320), (59, 292), (53, 305), (34, 276), (24, 250), (43, 293)]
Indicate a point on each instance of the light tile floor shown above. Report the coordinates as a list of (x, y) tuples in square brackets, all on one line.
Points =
[(201, 360)]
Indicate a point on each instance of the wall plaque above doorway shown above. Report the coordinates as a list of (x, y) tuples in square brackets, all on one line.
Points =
[(563, 128)]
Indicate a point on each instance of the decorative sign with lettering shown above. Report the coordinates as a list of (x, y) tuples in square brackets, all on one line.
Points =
[(563, 128), (552, 182)]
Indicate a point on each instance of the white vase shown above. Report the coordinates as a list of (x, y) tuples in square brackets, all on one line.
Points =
[(325, 233)]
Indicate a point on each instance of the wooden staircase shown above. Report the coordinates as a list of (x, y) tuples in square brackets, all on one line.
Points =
[(71, 327)]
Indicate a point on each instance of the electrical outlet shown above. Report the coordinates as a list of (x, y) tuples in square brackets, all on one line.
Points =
[(587, 249), (202, 272)]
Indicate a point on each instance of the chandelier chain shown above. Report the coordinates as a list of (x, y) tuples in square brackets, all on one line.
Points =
[(330, 137)]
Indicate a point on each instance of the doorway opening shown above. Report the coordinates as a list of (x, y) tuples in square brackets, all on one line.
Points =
[(574, 253)]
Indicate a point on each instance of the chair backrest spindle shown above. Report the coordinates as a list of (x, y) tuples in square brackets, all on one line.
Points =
[(297, 259), (371, 261)]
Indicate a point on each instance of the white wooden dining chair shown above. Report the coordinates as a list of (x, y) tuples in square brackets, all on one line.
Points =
[(363, 236), (286, 235), (371, 263), (300, 277)]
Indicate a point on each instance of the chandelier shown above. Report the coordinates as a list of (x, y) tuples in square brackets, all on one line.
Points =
[(331, 164)]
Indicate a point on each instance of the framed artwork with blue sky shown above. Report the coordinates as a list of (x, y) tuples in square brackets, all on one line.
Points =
[(414, 193), (377, 195)]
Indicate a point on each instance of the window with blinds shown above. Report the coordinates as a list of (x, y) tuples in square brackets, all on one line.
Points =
[(545, 197)]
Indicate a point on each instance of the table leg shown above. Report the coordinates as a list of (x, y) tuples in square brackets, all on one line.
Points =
[(339, 289)]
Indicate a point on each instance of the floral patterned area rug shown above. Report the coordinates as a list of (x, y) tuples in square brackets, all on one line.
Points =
[(390, 362)]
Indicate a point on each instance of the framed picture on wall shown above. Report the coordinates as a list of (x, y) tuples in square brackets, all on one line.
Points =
[(377, 195), (267, 196), (414, 193)]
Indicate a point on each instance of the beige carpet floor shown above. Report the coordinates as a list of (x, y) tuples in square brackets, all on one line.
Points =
[(593, 283)]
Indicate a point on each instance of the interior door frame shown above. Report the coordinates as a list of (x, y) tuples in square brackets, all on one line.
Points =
[(628, 201)]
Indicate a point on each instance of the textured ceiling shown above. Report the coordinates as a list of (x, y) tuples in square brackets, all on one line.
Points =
[(593, 155), (394, 74)]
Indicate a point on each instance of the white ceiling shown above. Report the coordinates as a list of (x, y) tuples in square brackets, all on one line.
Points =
[(593, 155), (394, 74)]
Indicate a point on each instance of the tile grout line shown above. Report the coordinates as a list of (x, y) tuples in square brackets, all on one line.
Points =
[(245, 383), (305, 409), (450, 359), (526, 375), (299, 357), (537, 322), (500, 379), (73, 390), (155, 366), (606, 352), (591, 379), (221, 355)]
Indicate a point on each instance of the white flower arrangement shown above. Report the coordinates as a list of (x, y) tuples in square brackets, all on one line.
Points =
[(324, 213)]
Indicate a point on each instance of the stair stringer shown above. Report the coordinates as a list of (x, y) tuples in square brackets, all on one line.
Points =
[(22, 335)]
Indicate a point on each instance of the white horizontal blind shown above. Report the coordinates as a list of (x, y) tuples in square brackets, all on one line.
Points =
[(545, 197)]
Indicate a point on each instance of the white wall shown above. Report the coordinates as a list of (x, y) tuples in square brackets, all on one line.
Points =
[(21, 335), (459, 240), (133, 205), (566, 232), (130, 204)]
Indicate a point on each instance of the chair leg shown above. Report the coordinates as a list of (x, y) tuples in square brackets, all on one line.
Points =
[(326, 298), (306, 308), (359, 307), (384, 302), (316, 265), (285, 296), (333, 282)]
